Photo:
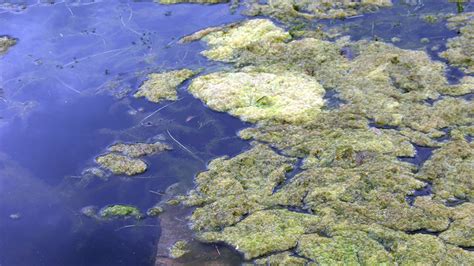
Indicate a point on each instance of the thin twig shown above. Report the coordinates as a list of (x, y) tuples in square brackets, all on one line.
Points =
[(157, 110), (135, 225), (218, 252), (156, 193), (184, 147)]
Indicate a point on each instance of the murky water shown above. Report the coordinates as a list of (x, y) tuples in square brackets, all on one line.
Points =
[(67, 97)]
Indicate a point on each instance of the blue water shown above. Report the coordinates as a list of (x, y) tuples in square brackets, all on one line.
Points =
[(67, 86), (58, 115)]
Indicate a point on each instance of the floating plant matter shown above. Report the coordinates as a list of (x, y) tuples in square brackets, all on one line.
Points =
[(5, 43), (348, 203), (162, 86)]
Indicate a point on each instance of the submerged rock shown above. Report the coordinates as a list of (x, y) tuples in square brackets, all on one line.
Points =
[(120, 164), (5, 43), (139, 149), (460, 52), (120, 211), (162, 86)]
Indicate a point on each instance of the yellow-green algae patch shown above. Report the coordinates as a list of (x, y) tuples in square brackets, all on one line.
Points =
[(232, 188), (120, 211), (5, 44), (121, 165), (179, 249), (162, 86), (460, 52), (253, 34), (284, 258), (451, 170), (287, 10), (139, 149), (258, 96), (266, 231), (352, 187)]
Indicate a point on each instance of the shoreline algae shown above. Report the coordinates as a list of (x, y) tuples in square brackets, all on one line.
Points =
[(348, 202)]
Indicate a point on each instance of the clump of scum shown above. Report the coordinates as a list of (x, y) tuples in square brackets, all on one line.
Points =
[(348, 203)]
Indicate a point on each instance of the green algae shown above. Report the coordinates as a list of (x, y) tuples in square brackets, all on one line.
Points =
[(307, 9), (179, 249), (236, 187), (284, 258), (265, 231), (155, 211), (351, 185), (136, 150), (162, 86), (251, 35), (460, 52), (450, 169), (120, 164), (5, 44), (257, 96), (120, 211)]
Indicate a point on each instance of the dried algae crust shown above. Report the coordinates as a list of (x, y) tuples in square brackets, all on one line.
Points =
[(347, 202), (162, 86), (460, 52)]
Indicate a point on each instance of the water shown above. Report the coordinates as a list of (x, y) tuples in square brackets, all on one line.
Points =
[(67, 84), (59, 115)]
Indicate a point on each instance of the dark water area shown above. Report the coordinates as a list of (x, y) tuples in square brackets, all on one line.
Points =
[(67, 96)]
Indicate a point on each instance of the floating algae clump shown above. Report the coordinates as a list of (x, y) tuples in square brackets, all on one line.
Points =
[(120, 164), (265, 231), (120, 211), (255, 96), (288, 10), (139, 149), (450, 169), (460, 52), (351, 200), (179, 249), (162, 86), (251, 35), (235, 187), (6, 43), (284, 258)]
